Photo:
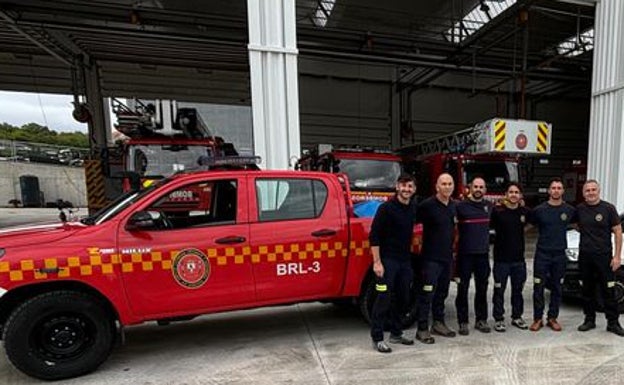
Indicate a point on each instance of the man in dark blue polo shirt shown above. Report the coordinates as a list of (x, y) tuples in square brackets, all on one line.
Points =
[(438, 215), (473, 216), (552, 219), (597, 221), (391, 239)]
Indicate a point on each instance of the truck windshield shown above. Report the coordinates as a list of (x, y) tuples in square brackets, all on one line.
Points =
[(158, 160), (371, 175), (496, 174)]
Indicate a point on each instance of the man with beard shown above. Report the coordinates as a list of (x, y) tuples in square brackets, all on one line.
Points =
[(438, 215), (473, 216), (597, 220), (551, 219), (391, 239)]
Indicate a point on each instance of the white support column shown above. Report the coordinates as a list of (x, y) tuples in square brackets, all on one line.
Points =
[(606, 131), (274, 88)]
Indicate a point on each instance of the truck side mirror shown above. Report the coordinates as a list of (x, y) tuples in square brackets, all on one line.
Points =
[(141, 220)]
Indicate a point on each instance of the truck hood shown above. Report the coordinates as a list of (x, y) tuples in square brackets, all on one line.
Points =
[(37, 234)]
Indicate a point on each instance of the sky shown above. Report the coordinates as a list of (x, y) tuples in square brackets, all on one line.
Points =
[(53, 111)]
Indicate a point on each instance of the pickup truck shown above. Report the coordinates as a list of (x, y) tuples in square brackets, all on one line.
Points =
[(193, 243)]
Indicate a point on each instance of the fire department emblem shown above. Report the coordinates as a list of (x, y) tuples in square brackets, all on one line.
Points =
[(522, 219), (191, 268), (598, 217), (564, 217), (485, 208)]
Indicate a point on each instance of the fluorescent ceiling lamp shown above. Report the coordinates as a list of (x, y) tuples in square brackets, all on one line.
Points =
[(323, 11), (479, 16), (576, 45)]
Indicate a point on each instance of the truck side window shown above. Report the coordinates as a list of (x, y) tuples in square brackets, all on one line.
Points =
[(198, 204), (285, 199)]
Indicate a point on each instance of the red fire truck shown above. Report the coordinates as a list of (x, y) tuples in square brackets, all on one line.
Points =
[(165, 253), (493, 150), (372, 173)]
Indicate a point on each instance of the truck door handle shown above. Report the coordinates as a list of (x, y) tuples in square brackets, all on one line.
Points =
[(323, 233), (230, 240)]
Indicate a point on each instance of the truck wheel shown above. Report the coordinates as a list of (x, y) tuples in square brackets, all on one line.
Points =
[(60, 334), (367, 300)]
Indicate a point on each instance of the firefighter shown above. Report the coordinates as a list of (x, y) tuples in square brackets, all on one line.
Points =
[(509, 221), (597, 220), (551, 219), (438, 215), (391, 239), (473, 216)]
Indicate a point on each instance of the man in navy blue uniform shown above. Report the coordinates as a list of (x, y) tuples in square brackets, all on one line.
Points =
[(597, 220), (552, 219), (473, 216), (438, 215), (391, 239), (509, 222)]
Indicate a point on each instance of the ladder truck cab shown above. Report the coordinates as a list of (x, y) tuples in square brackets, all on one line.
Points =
[(493, 150), (372, 172)]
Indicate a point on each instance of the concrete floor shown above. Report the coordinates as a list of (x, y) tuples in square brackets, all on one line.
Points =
[(322, 344)]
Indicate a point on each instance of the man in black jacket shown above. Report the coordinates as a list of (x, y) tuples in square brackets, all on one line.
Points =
[(391, 240)]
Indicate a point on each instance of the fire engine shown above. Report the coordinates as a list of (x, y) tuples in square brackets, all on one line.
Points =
[(372, 172), (255, 238), (493, 149)]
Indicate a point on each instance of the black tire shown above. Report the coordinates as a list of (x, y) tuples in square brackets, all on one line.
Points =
[(58, 335), (367, 300)]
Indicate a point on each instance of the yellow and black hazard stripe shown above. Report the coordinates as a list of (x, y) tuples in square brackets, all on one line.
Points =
[(500, 134), (96, 193), (95, 263), (542, 137)]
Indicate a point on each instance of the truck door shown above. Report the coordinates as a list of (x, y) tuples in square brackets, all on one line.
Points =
[(188, 256), (299, 238)]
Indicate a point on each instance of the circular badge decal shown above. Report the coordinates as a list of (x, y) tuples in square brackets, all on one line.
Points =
[(598, 217), (191, 268), (564, 216), (521, 141)]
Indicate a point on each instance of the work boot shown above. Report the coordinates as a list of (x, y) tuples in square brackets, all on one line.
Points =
[(381, 347), (440, 328), (615, 328), (463, 329), (586, 326), (553, 324), (519, 323), (499, 326), (536, 325), (424, 336), (482, 326), (400, 340)]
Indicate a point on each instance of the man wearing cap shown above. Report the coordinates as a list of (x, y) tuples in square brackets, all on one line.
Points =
[(391, 239)]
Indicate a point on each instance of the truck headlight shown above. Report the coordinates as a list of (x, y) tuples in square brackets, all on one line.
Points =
[(572, 254)]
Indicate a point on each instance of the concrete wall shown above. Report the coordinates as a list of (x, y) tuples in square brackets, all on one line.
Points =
[(56, 182)]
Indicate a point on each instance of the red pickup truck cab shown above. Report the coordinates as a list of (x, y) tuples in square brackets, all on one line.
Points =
[(191, 244)]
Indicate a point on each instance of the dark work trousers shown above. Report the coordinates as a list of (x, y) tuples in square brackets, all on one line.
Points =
[(517, 273), (548, 271), (467, 265), (433, 291), (596, 271), (393, 292)]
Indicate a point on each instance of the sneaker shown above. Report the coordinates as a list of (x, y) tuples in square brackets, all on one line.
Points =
[(553, 324), (424, 336), (586, 326), (519, 323), (440, 328), (483, 327), (381, 347), (400, 340), (463, 329), (615, 328), (499, 326), (536, 325)]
